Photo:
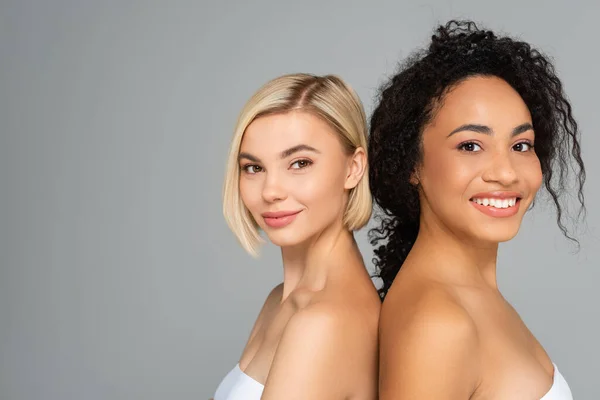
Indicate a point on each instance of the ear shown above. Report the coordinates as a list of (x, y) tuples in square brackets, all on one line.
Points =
[(414, 177), (356, 168)]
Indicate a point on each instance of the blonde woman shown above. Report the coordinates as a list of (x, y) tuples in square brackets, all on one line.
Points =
[(297, 171)]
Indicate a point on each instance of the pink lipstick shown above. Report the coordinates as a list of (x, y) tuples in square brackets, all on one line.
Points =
[(279, 219)]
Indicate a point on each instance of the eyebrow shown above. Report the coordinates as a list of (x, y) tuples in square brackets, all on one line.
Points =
[(248, 156), (283, 154), (486, 130), (295, 149)]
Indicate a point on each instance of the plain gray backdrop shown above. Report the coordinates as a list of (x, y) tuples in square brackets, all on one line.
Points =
[(118, 276)]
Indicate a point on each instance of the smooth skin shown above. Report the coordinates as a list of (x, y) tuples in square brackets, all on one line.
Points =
[(316, 335), (446, 331)]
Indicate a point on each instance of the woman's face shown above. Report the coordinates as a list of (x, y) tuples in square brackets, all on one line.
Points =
[(479, 171), (295, 176)]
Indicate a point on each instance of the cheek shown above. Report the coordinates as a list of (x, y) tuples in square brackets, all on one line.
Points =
[(446, 176), (249, 193), (322, 186), (534, 174)]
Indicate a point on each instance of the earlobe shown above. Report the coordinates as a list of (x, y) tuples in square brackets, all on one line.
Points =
[(414, 178), (357, 167)]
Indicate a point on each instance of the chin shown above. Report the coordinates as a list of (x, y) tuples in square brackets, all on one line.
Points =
[(285, 239), (497, 234)]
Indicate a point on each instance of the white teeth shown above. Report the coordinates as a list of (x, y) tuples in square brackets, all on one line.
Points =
[(497, 203)]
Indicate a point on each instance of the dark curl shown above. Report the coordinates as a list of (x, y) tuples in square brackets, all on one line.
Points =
[(408, 101)]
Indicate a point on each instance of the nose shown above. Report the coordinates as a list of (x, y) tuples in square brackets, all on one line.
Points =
[(273, 190), (501, 170)]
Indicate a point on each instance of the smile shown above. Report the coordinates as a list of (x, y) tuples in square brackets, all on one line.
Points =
[(497, 204)]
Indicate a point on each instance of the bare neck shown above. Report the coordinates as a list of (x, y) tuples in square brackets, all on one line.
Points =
[(309, 265), (446, 256)]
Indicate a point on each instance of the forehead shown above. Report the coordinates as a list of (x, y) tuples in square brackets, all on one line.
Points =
[(485, 100), (276, 132)]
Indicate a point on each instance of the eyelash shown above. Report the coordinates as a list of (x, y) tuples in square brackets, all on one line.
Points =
[(303, 160), (246, 168), (528, 143), (461, 146)]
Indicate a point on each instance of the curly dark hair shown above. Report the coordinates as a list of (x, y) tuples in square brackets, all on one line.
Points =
[(408, 101)]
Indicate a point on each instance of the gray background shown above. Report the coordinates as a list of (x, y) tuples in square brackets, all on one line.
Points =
[(118, 276)]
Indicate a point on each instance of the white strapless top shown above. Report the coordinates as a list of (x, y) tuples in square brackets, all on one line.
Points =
[(559, 390), (238, 386)]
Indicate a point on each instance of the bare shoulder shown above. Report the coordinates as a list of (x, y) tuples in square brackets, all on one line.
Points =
[(429, 346), (324, 326), (427, 307), (337, 332), (322, 319), (313, 347), (349, 317)]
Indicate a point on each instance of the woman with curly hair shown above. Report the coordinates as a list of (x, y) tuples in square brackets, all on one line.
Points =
[(463, 137)]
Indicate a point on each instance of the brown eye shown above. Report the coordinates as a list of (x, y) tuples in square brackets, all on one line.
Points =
[(301, 164), (470, 147), (252, 169), (522, 147)]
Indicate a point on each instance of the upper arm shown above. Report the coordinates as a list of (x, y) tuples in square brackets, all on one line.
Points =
[(430, 354), (309, 358)]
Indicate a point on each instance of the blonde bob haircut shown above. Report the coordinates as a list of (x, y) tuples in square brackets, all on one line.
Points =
[(327, 97)]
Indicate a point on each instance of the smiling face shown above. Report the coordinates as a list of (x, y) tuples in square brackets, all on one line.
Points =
[(295, 176), (479, 171)]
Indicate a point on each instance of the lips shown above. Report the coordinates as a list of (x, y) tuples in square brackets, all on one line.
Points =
[(279, 219), (497, 204)]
